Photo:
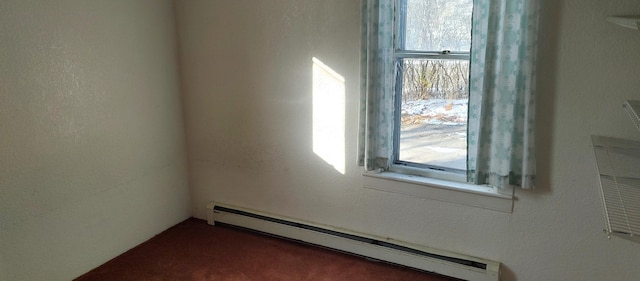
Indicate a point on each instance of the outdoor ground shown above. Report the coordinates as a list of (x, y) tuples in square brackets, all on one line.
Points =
[(434, 132)]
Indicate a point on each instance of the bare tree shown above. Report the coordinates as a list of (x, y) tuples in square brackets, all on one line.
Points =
[(437, 25)]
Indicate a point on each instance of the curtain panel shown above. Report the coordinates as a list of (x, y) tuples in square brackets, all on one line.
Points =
[(500, 138), (376, 102)]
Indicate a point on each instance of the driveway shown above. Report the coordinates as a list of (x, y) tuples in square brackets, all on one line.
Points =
[(434, 144)]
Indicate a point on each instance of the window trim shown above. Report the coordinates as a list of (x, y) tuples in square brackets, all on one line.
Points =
[(403, 54), (421, 170), (462, 193)]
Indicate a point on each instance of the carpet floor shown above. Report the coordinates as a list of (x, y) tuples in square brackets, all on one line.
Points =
[(194, 250)]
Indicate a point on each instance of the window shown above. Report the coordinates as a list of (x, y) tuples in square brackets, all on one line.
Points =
[(432, 43), (421, 54)]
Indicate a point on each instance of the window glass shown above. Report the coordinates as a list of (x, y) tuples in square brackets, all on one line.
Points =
[(432, 87), (433, 127), (437, 25)]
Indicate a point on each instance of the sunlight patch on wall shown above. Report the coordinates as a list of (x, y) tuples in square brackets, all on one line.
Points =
[(328, 115)]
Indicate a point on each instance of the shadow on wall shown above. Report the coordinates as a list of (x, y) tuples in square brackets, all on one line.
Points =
[(546, 93)]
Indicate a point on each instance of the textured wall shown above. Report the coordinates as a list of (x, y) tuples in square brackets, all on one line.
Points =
[(246, 70), (92, 158)]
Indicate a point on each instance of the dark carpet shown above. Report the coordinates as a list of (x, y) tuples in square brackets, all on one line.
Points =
[(194, 250)]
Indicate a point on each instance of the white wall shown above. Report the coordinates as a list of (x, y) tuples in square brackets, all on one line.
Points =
[(92, 157), (246, 70)]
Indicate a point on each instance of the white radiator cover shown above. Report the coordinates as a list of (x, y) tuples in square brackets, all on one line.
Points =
[(415, 256)]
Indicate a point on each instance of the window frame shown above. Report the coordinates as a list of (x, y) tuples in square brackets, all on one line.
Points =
[(400, 53), (378, 114)]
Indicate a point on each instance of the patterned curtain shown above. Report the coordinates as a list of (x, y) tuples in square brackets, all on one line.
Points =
[(502, 93), (376, 110)]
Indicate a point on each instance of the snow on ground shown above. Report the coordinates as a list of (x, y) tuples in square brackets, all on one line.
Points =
[(435, 112), (433, 132)]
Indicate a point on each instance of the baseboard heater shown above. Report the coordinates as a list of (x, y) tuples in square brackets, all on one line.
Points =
[(415, 256)]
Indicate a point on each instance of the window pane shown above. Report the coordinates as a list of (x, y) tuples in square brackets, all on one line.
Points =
[(437, 25), (434, 102)]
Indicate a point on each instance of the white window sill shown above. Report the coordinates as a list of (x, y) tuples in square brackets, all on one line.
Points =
[(480, 196)]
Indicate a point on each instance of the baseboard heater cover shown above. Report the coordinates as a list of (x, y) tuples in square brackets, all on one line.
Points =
[(415, 256)]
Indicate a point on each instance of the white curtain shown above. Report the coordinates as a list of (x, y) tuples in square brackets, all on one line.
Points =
[(376, 103), (502, 100)]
